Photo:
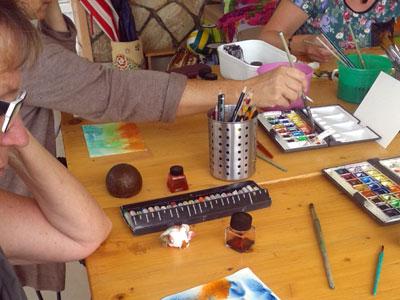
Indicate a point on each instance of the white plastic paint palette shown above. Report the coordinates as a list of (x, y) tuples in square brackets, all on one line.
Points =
[(347, 128), (392, 164), (292, 131), (370, 185)]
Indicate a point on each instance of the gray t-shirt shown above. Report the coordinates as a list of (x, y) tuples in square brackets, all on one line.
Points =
[(10, 288), (61, 80)]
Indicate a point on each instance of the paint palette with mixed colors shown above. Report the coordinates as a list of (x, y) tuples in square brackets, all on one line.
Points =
[(370, 185), (393, 165), (333, 125)]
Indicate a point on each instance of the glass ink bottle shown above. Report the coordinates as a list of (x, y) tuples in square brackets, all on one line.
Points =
[(176, 181), (240, 235)]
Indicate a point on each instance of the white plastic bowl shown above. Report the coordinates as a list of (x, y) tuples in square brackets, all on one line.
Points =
[(253, 50)]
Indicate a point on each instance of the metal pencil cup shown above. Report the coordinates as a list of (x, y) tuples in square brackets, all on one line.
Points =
[(232, 146)]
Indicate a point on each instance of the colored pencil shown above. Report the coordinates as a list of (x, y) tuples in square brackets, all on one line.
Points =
[(357, 47), (378, 270), (271, 162), (322, 247), (264, 150), (238, 104), (221, 107), (252, 113)]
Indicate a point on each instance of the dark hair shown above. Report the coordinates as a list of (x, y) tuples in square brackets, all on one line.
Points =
[(19, 40)]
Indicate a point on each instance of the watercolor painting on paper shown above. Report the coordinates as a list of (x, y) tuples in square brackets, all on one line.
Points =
[(112, 139), (243, 285)]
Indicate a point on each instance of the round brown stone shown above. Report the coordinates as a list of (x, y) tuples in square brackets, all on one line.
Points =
[(123, 181)]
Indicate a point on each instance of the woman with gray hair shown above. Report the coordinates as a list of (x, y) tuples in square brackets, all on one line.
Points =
[(61, 221)]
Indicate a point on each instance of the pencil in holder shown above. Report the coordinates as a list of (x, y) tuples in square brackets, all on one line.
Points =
[(232, 146)]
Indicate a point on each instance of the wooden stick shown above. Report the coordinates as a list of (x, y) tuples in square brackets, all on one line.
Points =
[(357, 47)]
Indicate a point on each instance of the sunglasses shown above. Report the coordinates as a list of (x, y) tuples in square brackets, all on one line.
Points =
[(10, 109)]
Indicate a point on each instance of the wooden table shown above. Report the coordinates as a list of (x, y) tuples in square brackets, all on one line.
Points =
[(285, 256), (185, 142)]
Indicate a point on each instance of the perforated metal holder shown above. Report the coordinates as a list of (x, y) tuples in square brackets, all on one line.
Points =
[(232, 146)]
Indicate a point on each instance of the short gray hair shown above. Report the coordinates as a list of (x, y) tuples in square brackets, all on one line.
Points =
[(19, 40)]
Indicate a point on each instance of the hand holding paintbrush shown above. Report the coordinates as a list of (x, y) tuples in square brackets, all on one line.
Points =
[(303, 96)]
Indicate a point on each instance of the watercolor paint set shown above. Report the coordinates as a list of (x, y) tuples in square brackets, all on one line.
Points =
[(373, 184), (195, 207), (294, 130)]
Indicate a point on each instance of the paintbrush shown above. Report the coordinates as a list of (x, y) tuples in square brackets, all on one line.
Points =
[(271, 162), (339, 51), (357, 47), (303, 97), (390, 49), (331, 51)]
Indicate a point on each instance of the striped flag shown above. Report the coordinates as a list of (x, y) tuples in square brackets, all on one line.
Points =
[(105, 16)]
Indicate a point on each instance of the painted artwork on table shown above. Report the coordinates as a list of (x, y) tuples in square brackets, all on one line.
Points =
[(112, 138), (243, 285)]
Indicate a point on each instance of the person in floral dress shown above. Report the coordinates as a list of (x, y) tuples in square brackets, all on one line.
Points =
[(303, 20)]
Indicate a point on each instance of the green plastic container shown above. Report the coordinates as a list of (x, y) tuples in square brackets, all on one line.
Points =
[(354, 84)]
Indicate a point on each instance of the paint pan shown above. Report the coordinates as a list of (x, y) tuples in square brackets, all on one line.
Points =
[(292, 129), (373, 185)]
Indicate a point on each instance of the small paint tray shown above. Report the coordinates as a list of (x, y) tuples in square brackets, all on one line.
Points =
[(392, 165), (194, 207), (372, 186), (292, 131)]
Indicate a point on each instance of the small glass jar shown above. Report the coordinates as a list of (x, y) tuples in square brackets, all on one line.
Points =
[(240, 235), (176, 181)]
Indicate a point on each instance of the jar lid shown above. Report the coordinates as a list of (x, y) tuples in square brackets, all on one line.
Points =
[(176, 170), (241, 221)]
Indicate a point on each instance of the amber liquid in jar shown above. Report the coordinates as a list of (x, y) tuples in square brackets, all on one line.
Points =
[(240, 235)]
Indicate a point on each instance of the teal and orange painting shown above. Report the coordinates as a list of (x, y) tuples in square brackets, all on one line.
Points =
[(112, 139), (242, 285)]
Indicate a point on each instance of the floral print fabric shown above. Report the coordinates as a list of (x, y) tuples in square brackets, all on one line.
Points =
[(332, 16)]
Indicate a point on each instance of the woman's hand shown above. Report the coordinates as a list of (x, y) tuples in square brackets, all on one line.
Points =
[(280, 86), (16, 136), (314, 50)]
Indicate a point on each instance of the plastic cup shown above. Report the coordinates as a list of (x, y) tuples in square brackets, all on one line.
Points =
[(306, 69), (354, 83)]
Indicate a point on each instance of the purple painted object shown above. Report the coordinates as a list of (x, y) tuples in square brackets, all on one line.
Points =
[(306, 69)]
